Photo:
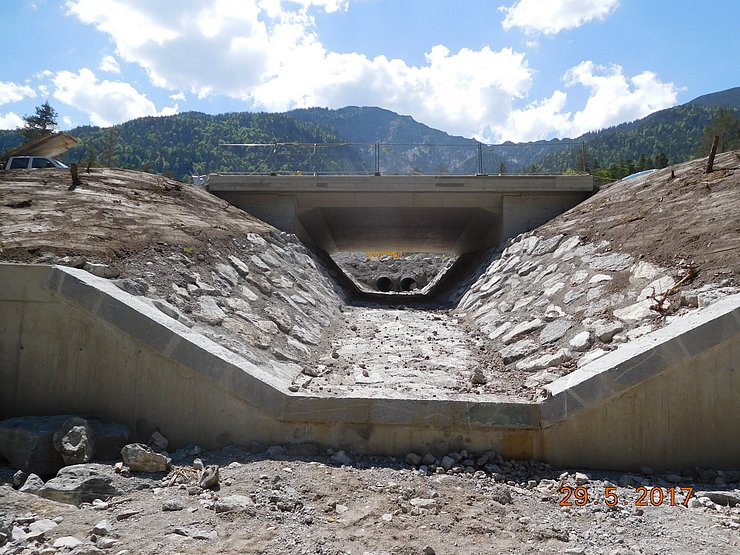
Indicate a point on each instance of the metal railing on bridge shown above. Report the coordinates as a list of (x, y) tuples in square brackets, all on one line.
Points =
[(466, 157)]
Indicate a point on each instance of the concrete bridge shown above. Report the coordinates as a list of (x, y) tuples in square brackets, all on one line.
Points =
[(422, 213)]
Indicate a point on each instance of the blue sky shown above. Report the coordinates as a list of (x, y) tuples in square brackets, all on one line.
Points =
[(492, 69)]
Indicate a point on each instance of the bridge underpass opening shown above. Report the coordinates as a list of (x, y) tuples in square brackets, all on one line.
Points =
[(395, 273), (451, 214), (412, 213), (426, 229)]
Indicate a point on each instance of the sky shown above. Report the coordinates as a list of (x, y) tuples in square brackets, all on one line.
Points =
[(494, 70)]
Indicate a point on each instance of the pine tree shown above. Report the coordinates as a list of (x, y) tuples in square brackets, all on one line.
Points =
[(43, 122)]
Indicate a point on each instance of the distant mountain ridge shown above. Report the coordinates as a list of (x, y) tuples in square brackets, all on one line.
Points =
[(191, 142), (729, 98)]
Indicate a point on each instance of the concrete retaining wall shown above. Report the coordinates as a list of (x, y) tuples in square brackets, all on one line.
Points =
[(74, 343)]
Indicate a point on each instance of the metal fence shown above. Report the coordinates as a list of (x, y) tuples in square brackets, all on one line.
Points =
[(380, 158)]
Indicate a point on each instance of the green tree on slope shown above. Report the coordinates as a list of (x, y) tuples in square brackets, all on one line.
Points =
[(43, 122)]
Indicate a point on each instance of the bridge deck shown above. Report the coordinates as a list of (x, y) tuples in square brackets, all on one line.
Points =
[(441, 213)]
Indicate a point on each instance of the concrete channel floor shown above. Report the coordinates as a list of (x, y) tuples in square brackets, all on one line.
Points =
[(412, 353)]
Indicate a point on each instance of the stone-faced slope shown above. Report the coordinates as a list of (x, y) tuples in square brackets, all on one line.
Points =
[(218, 270), (620, 265)]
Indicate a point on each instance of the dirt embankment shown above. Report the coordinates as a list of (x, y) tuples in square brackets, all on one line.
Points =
[(672, 217), (113, 215)]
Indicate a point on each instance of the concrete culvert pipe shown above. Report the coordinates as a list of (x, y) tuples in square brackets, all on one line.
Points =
[(408, 284), (384, 284)]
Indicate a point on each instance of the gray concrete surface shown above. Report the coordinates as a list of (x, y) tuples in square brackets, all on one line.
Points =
[(414, 213), (74, 343)]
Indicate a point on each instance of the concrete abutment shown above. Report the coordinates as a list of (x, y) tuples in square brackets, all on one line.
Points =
[(74, 343)]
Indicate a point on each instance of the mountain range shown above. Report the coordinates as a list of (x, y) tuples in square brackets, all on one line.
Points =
[(368, 139)]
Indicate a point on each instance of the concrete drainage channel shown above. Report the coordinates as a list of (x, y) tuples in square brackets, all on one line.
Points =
[(74, 343)]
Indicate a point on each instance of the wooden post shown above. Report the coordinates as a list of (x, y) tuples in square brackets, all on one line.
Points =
[(712, 152), (75, 178)]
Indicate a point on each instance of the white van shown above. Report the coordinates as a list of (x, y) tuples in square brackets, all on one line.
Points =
[(33, 162)]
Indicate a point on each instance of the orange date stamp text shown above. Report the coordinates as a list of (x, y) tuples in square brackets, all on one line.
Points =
[(580, 496)]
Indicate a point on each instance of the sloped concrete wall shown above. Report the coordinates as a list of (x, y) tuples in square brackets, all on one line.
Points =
[(74, 343), (681, 419)]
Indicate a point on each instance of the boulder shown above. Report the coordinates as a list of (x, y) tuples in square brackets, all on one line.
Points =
[(101, 270), (234, 503), (637, 312), (241, 268), (67, 542), (141, 458), (227, 273), (582, 341), (27, 443), (478, 377), (102, 528), (209, 312), (33, 484), (554, 331), (522, 329), (158, 442), (135, 287), (19, 478), (606, 330), (520, 349), (544, 361), (81, 483), (38, 528), (209, 477), (75, 441)]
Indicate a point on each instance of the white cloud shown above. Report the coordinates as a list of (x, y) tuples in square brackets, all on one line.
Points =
[(10, 120), (203, 47), (266, 53), (539, 120), (552, 16), (13, 92), (109, 64), (106, 102), (614, 98)]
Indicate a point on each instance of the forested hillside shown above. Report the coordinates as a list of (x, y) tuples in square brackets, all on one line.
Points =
[(344, 141), (193, 142), (666, 137)]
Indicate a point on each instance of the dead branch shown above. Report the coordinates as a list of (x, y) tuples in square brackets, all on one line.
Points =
[(661, 299)]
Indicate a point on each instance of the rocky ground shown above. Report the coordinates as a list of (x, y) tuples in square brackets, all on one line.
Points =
[(304, 500), (534, 309)]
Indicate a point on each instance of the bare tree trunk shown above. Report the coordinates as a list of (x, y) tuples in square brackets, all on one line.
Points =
[(75, 178), (712, 153)]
